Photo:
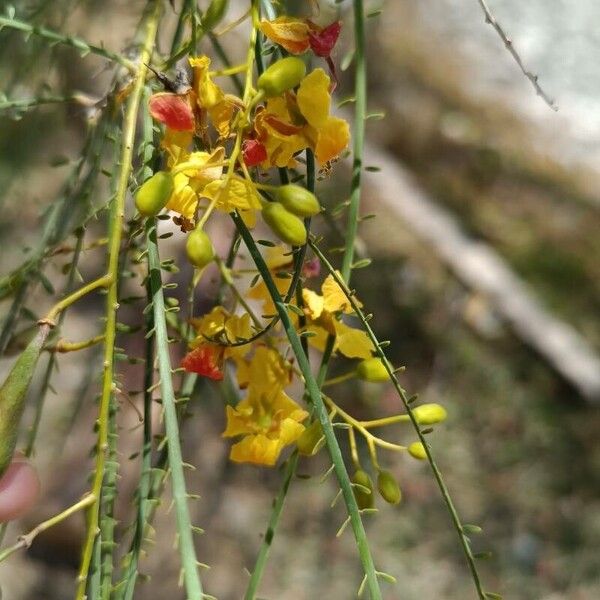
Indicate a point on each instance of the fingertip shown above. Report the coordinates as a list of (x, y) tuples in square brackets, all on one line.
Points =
[(19, 490)]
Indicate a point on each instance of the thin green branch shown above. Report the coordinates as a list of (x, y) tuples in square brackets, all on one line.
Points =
[(360, 107), (54, 37), (180, 497), (314, 394), (43, 391), (404, 398), (112, 295)]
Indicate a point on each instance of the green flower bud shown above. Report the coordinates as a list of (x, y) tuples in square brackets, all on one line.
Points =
[(372, 369), (417, 450), (284, 224), (199, 248), (311, 440), (298, 200), (364, 499), (388, 487), (213, 14), (429, 414), (281, 76), (154, 194)]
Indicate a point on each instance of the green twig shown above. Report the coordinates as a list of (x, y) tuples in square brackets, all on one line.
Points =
[(404, 398), (54, 37), (360, 95), (184, 525), (112, 295), (314, 394)]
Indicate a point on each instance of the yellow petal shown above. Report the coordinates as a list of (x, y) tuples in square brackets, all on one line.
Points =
[(278, 256), (239, 420), (334, 297), (333, 136), (314, 99), (353, 343), (256, 449), (313, 303), (184, 199), (290, 33), (236, 194), (268, 374)]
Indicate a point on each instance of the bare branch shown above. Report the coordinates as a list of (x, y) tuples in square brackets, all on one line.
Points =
[(489, 18)]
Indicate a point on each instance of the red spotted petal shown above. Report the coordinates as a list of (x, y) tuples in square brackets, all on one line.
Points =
[(172, 110), (254, 153), (323, 41), (204, 360)]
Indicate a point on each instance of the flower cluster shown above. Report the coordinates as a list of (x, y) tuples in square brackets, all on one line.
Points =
[(219, 153)]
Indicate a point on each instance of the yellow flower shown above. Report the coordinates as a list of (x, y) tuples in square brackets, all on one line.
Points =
[(268, 419), (234, 194), (321, 311), (289, 123), (190, 183), (219, 324), (329, 135), (210, 97)]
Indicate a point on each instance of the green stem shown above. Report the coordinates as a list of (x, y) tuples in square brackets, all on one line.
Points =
[(360, 95), (79, 44), (41, 395), (314, 393), (263, 553), (125, 168), (184, 525), (404, 398), (26, 103)]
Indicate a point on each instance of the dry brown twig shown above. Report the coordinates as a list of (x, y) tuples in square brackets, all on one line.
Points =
[(533, 78)]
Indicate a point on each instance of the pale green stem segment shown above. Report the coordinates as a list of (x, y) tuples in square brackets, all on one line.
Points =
[(314, 393), (263, 553), (26, 540), (58, 38), (404, 398), (187, 551), (128, 140), (360, 107)]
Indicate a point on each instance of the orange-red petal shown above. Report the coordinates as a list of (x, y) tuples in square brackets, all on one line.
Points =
[(172, 110), (204, 360)]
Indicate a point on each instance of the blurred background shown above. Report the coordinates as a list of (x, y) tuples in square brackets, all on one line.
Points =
[(485, 278)]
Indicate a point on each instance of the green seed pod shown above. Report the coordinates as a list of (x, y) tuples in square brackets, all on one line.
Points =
[(281, 76), (311, 440), (298, 200), (199, 248), (12, 396), (388, 487), (416, 450), (430, 414), (363, 499), (284, 224), (213, 14), (372, 369), (154, 194)]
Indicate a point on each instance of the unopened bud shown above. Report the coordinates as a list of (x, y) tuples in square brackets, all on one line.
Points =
[(311, 440), (154, 194), (417, 450), (281, 76), (430, 414), (372, 369), (199, 248), (388, 487), (364, 499)]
